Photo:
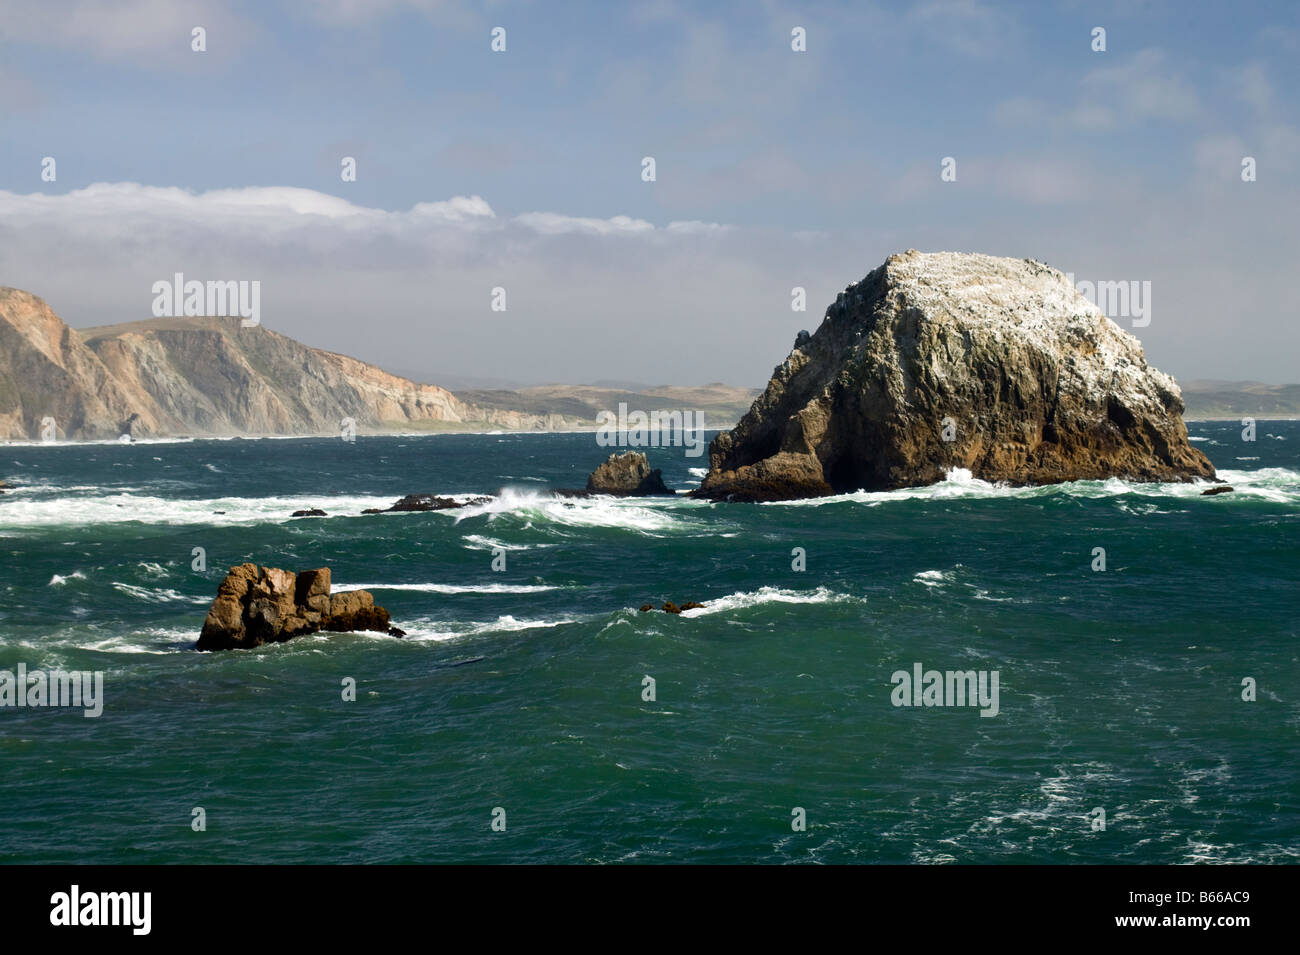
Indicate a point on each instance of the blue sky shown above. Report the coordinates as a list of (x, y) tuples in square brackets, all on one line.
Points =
[(779, 169)]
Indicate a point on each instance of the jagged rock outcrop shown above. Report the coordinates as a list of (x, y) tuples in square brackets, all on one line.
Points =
[(627, 474), (946, 360), (257, 605), (204, 376)]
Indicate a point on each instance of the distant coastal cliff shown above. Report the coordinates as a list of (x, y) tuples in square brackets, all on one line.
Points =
[(173, 377), (204, 376)]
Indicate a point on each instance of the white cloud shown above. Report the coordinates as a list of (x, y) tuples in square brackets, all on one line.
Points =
[(1145, 87), (967, 26), (552, 223), (410, 288), (1252, 87), (142, 32), (1139, 90)]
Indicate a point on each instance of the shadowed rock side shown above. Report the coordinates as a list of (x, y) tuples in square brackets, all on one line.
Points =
[(627, 474), (257, 605), (948, 360)]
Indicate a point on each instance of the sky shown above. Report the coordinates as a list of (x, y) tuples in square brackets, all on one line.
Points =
[(522, 169)]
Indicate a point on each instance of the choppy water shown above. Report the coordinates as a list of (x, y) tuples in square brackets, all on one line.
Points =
[(522, 689)]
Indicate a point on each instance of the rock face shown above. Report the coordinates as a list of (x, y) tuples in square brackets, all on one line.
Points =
[(946, 360), (627, 474), (196, 376), (257, 605), (48, 375)]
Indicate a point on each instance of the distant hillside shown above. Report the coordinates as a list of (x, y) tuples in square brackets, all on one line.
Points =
[(206, 376), (1234, 399), (720, 405)]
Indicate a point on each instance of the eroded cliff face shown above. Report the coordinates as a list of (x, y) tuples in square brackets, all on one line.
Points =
[(47, 372), (947, 360), (204, 376)]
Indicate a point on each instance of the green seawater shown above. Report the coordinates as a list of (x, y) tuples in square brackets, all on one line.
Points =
[(522, 689)]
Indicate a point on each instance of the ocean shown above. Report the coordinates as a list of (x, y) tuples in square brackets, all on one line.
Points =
[(515, 722)]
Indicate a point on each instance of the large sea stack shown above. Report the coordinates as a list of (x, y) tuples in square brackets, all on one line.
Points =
[(947, 360)]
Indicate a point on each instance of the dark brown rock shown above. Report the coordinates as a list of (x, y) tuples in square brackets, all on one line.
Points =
[(356, 610), (311, 512), (627, 474), (256, 605), (1217, 490), (671, 608), (430, 502), (646, 608), (691, 605), (945, 361)]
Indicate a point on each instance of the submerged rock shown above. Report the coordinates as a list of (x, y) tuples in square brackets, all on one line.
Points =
[(627, 474), (429, 502), (946, 360), (257, 605), (310, 512), (671, 607), (1217, 490)]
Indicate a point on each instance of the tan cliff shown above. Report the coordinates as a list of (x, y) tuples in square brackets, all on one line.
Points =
[(205, 376)]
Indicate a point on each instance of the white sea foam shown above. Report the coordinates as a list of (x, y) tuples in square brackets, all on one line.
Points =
[(768, 595), (452, 588), (1275, 484), (58, 580), (648, 516), (119, 507), (934, 578), (443, 630), (482, 542), (157, 595)]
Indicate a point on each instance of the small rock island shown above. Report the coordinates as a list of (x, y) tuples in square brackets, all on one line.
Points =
[(257, 605), (950, 360)]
